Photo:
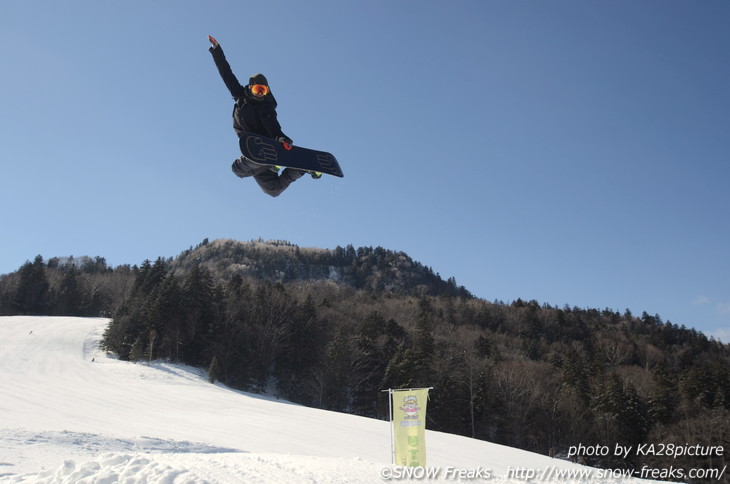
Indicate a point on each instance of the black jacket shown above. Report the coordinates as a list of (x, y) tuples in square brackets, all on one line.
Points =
[(249, 114)]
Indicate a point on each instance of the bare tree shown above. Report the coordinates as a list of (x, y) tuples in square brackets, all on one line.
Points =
[(615, 348)]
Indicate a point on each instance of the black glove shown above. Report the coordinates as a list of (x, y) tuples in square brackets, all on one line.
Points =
[(213, 43)]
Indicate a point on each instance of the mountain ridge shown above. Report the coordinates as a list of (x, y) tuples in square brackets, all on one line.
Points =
[(372, 269)]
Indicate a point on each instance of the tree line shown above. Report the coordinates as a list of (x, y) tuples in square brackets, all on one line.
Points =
[(331, 329)]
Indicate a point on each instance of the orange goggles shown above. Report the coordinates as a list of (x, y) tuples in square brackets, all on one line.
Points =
[(260, 89)]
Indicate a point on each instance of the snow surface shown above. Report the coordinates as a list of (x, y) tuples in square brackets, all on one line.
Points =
[(71, 413)]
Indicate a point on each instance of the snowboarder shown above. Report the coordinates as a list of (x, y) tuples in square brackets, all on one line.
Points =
[(255, 112)]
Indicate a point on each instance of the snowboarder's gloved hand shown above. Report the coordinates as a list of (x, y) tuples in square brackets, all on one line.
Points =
[(286, 141), (213, 43)]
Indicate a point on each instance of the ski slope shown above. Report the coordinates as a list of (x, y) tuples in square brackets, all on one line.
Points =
[(71, 413)]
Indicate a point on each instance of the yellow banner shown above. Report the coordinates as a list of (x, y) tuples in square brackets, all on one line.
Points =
[(409, 427)]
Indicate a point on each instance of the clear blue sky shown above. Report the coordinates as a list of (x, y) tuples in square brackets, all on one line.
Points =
[(572, 152)]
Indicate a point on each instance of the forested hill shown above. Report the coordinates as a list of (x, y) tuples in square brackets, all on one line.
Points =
[(333, 328), (371, 269)]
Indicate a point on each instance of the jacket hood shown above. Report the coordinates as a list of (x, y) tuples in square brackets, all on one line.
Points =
[(258, 79)]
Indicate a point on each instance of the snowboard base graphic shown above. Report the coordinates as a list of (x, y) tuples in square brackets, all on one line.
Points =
[(267, 151)]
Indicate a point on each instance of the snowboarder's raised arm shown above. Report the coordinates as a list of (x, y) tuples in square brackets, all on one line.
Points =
[(224, 69)]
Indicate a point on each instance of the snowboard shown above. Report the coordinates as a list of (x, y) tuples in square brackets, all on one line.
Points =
[(267, 151)]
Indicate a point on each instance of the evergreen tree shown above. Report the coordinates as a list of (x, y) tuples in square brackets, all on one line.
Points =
[(421, 356), (413, 366), (200, 315), (169, 314), (32, 293), (336, 372), (608, 402), (301, 355), (635, 420), (708, 383), (662, 403), (69, 297), (229, 345), (368, 364), (575, 374), (136, 316)]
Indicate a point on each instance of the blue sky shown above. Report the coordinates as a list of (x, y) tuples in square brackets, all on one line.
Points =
[(572, 152)]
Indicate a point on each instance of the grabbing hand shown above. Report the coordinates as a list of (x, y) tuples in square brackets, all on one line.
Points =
[(286, 141)]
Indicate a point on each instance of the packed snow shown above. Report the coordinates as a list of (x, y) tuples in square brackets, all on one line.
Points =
[(70, 413)]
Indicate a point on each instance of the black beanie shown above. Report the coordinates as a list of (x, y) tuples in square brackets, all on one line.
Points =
[(258, 79)]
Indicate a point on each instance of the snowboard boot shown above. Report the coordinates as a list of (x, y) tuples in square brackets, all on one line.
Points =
[(240, 169)]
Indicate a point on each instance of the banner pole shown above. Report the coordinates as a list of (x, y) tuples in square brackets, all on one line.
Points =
[(390, 409)]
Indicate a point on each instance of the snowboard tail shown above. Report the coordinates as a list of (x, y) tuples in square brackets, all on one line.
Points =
[(267, 151)]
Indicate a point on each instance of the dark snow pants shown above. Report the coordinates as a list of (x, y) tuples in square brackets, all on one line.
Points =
[(270, 182)]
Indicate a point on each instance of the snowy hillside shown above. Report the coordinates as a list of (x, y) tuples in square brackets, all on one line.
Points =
[(70, 413)]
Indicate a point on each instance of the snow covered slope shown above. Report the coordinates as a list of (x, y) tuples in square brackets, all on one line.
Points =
[(70, 413)]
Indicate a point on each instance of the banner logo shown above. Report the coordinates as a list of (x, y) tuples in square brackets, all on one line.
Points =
[(409, 427)]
